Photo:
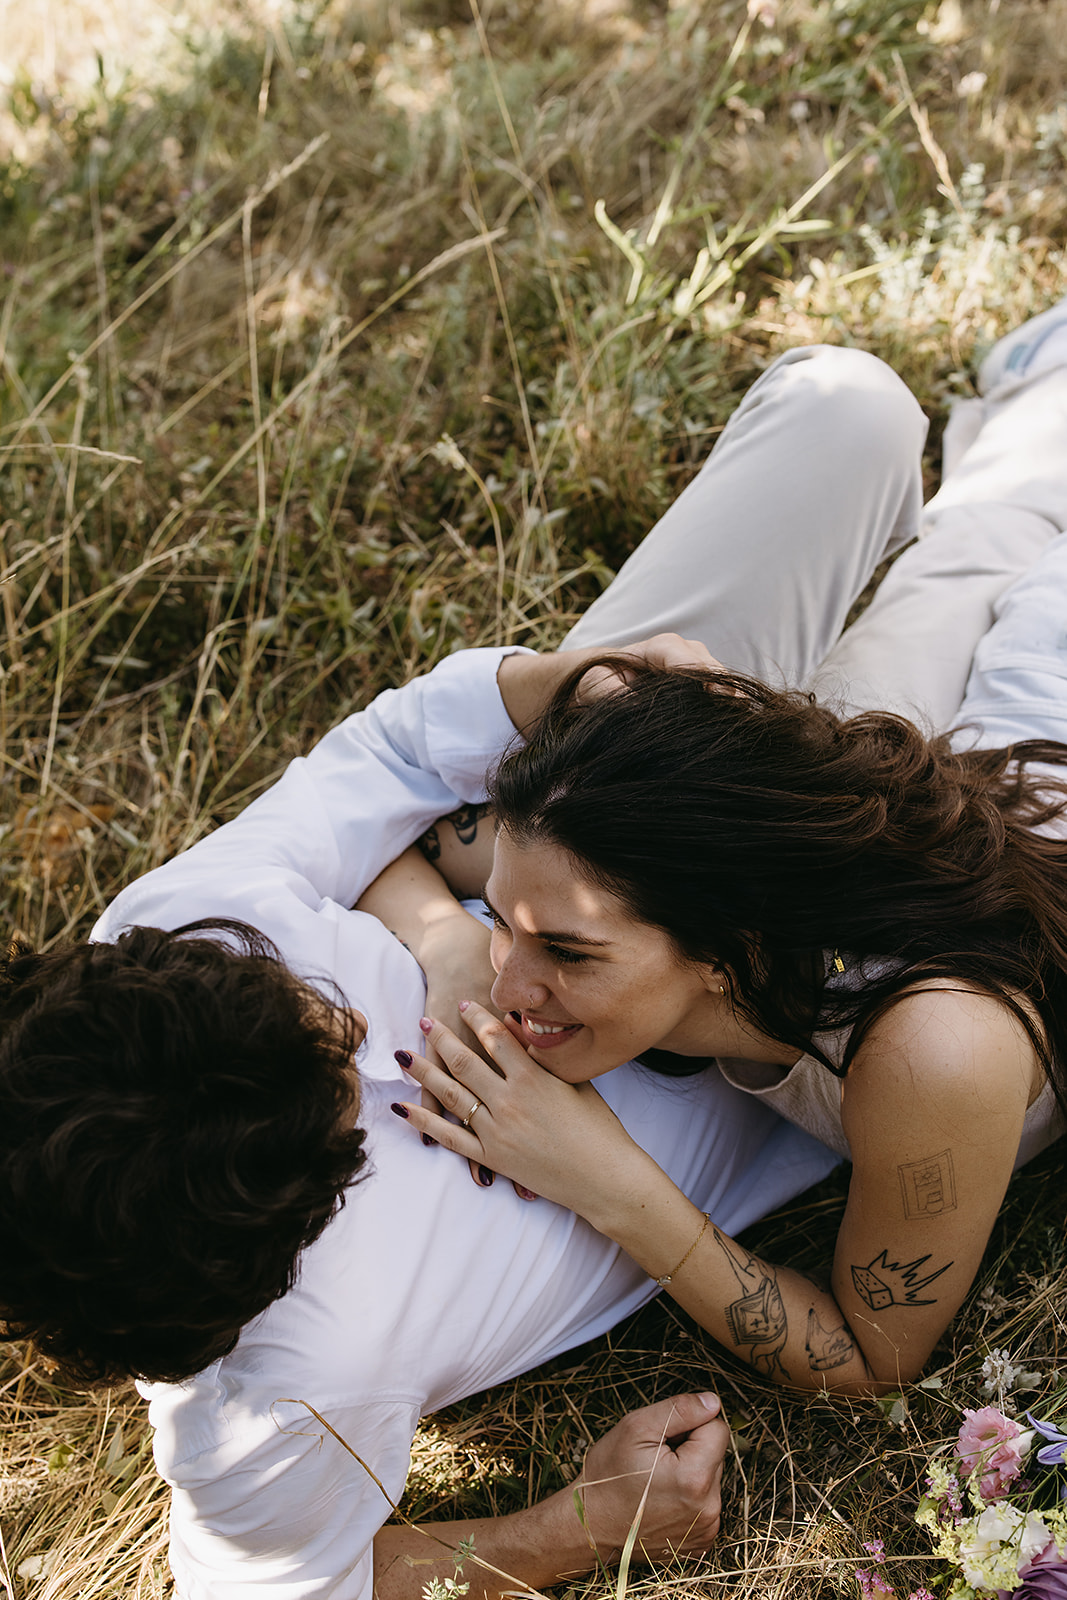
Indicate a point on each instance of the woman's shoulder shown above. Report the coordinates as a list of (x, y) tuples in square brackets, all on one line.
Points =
[(946, 1038)]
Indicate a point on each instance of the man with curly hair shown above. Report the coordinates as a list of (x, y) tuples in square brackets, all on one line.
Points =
[(202, 1186)]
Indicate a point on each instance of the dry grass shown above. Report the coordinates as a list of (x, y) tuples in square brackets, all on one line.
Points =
[(318, 359)]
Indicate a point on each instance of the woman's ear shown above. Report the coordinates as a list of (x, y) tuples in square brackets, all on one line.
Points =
[(714, 979)]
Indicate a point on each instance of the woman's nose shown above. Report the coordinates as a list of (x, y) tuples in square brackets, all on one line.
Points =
[(516, 987)]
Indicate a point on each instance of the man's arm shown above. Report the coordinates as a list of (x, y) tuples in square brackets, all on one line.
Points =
[(661, 1466), (460, 847), (336, 817)]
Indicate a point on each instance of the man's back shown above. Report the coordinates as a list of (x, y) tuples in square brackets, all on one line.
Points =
[(423, 1289)]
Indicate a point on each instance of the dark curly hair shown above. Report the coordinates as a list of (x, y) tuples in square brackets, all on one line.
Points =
[(176, 1125), (759, 830)]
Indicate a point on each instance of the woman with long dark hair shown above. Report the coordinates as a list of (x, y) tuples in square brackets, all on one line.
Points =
[(861, 923)]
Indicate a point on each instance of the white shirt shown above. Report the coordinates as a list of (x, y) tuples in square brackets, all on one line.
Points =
[(424, 1288)]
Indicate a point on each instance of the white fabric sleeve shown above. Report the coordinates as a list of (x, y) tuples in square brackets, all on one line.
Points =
[(282, 1511), (339, 815)]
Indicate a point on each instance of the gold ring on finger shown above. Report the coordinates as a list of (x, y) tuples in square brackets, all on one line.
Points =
[(477, 1106)]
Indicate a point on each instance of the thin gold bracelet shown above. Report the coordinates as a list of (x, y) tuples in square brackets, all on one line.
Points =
[(667, 1276)]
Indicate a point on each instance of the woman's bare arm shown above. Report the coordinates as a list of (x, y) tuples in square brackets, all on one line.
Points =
[(937, 1096)]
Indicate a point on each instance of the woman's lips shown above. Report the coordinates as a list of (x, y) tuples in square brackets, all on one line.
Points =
[(546, 1035)]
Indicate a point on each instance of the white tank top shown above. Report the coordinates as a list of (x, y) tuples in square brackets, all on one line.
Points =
[(808, 1095)]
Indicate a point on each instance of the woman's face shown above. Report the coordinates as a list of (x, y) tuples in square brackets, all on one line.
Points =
[(594, 987)]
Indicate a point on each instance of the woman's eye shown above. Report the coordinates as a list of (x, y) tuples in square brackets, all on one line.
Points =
[(495, 918), (568, 958)]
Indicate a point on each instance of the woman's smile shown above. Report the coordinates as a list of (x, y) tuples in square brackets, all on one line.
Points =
[(540, 1035)]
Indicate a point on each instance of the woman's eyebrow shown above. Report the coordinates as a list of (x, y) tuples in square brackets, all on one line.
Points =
[(548, 937)]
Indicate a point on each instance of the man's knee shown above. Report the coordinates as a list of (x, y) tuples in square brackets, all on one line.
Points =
[(853, 395)]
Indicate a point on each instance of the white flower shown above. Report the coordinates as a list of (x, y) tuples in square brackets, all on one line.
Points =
[(999, 1372), (996, 1544), (1036, 1537), (1002, 1375)]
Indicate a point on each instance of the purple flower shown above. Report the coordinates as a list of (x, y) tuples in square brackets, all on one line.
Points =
[(1043, 1583), (1052, 1455), (874, 1587)]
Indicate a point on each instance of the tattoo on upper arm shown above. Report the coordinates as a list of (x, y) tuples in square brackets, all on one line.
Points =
[(430, 845), (885, 1283), (827, 1347), (466, 820), (928, 1186), (464, 823), (758, 1318)]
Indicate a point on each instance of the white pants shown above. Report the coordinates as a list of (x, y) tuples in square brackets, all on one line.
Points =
[(814, 480)]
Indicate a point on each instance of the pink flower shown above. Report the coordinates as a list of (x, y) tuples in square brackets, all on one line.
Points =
[(994, 1446)]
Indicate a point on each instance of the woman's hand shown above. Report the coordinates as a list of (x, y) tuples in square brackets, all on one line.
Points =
[(452, 948), (557, 1139)]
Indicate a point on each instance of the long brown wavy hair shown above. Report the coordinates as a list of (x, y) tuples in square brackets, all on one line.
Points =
[(760, 831)]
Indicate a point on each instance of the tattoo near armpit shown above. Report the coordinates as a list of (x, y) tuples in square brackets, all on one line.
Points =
[(928, 1187), (885, 1283), (466, 820), (827, 1347), (430, 844), (758, 1318)]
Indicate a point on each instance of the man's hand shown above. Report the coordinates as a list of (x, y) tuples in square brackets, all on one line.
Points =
[(663, 1466), (659, 1466), (666, 650), (528, 682)]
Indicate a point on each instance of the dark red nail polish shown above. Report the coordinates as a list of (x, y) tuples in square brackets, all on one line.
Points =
[(485, 1177), (400, 1111), (516, 1016), (403, 1056), (431, 1144)]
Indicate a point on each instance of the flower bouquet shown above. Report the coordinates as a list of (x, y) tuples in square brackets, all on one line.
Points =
[(996, 1508)]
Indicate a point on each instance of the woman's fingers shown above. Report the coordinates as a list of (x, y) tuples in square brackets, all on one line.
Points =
[(442, 1090), (456, 1098), (429, 1102), (450, 1135), (434, 1129), (496, 1036)]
